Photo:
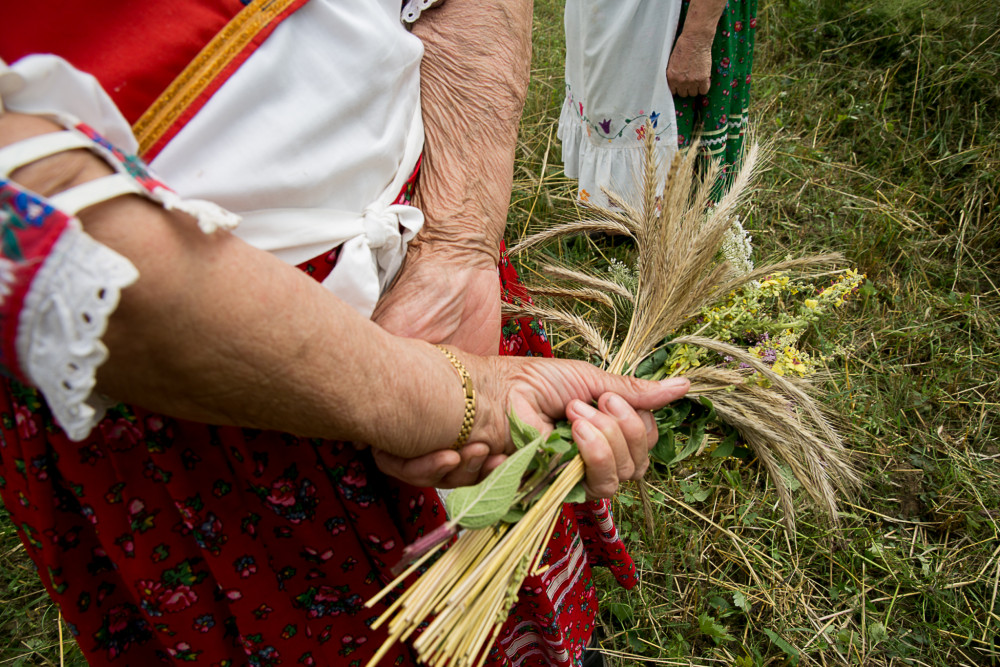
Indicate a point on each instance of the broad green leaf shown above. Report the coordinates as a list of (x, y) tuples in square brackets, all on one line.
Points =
[(622, 612), (671, 416), (740, 600), (694, 493), (789, 478), (690, 448), (576, 495), (513, 515), (727, 446), (720, 604), (557, 445), (486, 503), (877, 632), (710, 417), (520, 432), (789, 650), (664, 451), (564, 430), (652, 363)]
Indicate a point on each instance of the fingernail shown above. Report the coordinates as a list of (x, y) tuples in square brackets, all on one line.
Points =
[(585, 430), (618, 407), (583, 409), (475, 464), (649, 420), (674, 383)]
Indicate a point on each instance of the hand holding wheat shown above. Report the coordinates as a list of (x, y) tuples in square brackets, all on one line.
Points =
[(633, 324)]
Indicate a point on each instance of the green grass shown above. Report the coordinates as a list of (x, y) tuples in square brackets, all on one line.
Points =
[(29, 621), (884, 119)]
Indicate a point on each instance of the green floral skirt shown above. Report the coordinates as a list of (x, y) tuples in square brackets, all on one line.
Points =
[(721, 115)]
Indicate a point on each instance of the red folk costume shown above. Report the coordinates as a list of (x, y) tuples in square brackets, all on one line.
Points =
[(173, 541)]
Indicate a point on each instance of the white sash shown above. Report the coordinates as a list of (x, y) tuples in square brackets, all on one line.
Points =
[(372, 243)]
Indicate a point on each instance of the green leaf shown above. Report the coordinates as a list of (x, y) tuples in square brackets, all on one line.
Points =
[(576, 495), (788, 649), (671, 416), (740, 601), (520, 432), (720, 604), (664, 451), (622, 612), (690, 448), (711, 628), (564, 430), (877, 632), (726, 447), (789, 478), (513, 515), (556, 445), (652, 363), (710, 417), (486, 503), (694, 493)]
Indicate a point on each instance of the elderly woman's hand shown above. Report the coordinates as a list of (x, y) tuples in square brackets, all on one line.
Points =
[(689, 70), (445, 295), (614, 436)]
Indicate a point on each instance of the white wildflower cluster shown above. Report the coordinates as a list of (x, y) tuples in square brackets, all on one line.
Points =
[(623, 274), (737, 249)]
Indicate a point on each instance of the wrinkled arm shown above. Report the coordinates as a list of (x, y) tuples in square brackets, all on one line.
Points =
[(474, 78), (217, 331)]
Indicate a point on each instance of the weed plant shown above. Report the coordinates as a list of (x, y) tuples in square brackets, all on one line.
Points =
[(885, 122)]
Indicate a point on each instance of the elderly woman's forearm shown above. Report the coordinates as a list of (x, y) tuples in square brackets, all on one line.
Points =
[(703, 18), (218, 331), (474, 78)]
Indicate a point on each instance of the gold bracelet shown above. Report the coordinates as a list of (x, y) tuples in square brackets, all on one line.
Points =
[(470, 398)]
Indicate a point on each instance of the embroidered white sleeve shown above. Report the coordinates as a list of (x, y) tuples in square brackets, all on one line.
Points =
[(65, 313), (412, 8)]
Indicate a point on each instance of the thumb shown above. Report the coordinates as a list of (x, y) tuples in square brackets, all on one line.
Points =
[(647, 394)]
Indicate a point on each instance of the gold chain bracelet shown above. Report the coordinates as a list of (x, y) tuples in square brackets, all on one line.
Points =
[(470, 398)]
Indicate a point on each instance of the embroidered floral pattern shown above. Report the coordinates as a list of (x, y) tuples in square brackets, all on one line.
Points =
[(616, 128)]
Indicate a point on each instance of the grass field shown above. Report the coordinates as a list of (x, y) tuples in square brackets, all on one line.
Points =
[(884, 119)]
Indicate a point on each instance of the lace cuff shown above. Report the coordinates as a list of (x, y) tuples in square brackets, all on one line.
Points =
[(65, 313), (413, 8)]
